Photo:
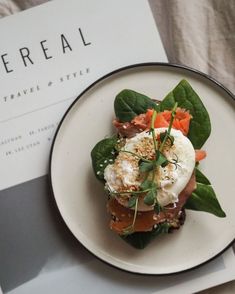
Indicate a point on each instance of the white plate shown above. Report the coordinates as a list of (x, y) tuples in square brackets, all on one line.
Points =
[(82, 201)]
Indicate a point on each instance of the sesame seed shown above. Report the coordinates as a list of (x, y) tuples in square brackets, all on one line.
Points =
[(110, 160), (101, 165), (98, 173), (105, 161)]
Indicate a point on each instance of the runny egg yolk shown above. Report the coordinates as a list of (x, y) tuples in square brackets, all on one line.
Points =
[(124, 174)]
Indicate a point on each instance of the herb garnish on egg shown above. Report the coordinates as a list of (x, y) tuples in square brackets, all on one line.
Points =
[(149, 186)]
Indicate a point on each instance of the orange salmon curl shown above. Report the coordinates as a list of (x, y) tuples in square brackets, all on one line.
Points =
[(181, 120)]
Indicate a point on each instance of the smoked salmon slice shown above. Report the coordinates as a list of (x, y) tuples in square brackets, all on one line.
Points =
[(200, 154), (123, 216), (142, 122), (181, 120)]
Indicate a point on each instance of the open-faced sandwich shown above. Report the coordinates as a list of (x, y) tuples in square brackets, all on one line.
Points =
[(150, 166)]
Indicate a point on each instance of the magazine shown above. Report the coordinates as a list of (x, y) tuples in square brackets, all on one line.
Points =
[(45, 66)]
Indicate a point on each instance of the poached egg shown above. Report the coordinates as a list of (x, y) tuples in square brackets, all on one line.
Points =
[(124, 174)]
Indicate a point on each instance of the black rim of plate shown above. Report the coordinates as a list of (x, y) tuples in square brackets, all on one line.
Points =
[(117, 71)]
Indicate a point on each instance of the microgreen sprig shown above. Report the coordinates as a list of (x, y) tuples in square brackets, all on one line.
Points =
[(152, 131), (149, 187), (130, 192), (167, 135), (128, 230), (151, 196)]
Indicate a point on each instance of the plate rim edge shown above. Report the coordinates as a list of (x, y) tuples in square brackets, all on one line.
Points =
[(103, 77)]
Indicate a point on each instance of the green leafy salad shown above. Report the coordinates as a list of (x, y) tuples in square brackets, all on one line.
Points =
[(150, 166)]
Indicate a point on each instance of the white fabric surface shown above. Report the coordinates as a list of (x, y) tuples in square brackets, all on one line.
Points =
[(200, 34), (8, 7)]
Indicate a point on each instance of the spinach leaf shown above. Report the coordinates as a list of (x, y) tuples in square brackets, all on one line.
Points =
[(103, 154), (187, 98), (128, 104), (140, 240), (203, 197), (201, 178)]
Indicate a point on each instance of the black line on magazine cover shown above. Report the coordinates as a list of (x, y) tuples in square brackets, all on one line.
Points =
[(36, 110)]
